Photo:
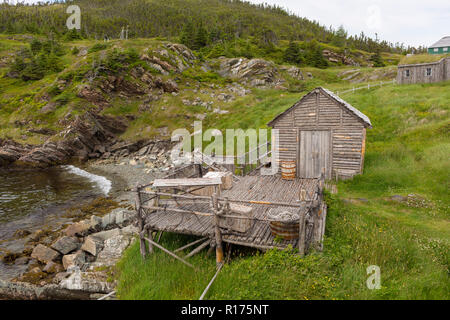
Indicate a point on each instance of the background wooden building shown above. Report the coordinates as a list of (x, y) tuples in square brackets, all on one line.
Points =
[(322, 132), (424, 72)]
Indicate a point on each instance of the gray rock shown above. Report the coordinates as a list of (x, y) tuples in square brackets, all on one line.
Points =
[(77, 259), (108, 220), (130, 230), (45, 254), (21, 261), (123, 217), (66, 245), (105, 235), (53, 267), (25, 291), (113, 250), (92, 245), (93, 282), (398, 198), (60, 276), (96, 223), (77, 229)]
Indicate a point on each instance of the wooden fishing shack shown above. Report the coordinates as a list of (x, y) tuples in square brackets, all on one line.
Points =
[(322, 132)]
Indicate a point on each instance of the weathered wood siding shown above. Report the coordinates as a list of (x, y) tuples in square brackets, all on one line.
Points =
[(447, 69), (418, 72), (319, 112)]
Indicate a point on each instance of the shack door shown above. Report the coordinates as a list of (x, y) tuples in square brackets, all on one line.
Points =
[(314, 154)]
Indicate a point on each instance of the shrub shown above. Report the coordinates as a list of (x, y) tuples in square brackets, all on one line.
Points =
[(39, 59), (97, 47), (75, 51)]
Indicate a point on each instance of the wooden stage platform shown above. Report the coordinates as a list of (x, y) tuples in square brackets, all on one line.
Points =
[(258, 192)]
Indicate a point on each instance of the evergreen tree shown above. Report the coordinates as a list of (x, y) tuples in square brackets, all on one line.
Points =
[(200, 39), (293, 54), (188, 35), (315, 56), (340, 37), (377, 59), (73, 34), (35, 46)]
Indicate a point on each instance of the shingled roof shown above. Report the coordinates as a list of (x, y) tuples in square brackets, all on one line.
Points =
[(444, 42), (330, 94)]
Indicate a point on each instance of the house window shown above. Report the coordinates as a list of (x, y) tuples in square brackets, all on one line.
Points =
[(407, 73), (436, 49), (445, 49), (428, 72)]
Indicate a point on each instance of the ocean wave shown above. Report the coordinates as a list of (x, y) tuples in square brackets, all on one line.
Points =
[(103, 183)]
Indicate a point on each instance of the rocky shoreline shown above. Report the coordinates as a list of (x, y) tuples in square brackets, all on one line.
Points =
[(76, 261)]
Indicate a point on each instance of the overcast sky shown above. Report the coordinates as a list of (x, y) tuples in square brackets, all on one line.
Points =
[(413, 22)]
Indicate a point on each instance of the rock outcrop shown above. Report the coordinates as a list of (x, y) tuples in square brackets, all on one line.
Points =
[(257, 72), (76, 266), (339, 58), (84, 138)]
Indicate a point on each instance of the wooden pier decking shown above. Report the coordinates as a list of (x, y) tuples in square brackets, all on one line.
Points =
[(262, 193)]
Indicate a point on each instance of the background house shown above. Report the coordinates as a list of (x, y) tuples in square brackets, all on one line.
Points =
[(424, 72), (440, 47)]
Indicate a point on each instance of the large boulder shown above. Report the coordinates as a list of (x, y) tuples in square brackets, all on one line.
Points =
[(249, 70), (92, 245), (45, 254), (77, 259), (78, 229), (66, 245), (53, 267), (105, 235), (113, 249), (93, 282)]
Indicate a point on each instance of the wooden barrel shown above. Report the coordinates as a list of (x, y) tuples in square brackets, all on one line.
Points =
[(285, 230), (288, 170)]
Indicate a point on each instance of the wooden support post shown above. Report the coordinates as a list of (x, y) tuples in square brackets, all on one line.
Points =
[(198, 249), (210, 283), (159, 236), (302, 233), (191, 244), (140, 220), (150, 236), (219, 248)]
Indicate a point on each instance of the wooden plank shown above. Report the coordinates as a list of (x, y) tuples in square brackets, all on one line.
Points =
[(198, 249), (170, 253), (210, 283), (190, 244), (194, 182)]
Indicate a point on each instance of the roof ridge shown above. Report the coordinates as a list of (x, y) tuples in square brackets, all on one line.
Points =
[(341, 101)]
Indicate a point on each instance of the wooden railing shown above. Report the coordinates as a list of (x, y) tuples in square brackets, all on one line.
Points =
[(367, 86), (309, 209)]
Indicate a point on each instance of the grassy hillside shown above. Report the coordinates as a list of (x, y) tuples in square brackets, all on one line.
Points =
[(407, 236), (48, 102)]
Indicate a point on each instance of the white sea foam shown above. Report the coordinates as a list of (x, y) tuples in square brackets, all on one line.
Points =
[(103, 183)]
